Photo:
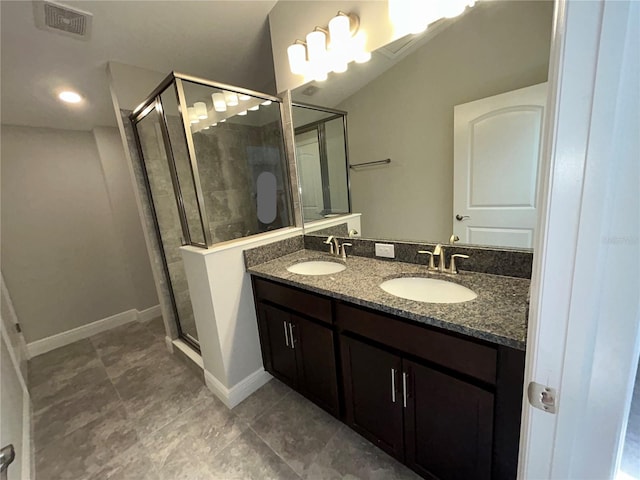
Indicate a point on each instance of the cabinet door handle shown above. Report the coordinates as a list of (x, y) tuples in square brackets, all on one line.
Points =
[(286, 334), (404, 389), (293, 345), (393, 385)]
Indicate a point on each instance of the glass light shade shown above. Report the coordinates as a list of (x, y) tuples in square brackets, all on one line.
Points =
[(193, 117), (339, 66), (452, 8), (297, 58), (339, 31), (223, 120), (412, 16), (363, 57), (266, 103), (254, 108), (244, 112), (207, 127), (231, 99), (219, 104), (316, 46), (359, 50), (201, 110), (243, 98)]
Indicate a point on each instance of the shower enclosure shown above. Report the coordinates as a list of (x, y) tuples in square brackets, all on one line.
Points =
[(215, 168)]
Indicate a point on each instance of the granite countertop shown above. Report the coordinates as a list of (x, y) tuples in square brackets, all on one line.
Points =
[(497, 315)]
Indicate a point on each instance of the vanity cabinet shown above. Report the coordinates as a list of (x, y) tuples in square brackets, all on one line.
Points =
[(298, 347), (437, 424), (445, 404)]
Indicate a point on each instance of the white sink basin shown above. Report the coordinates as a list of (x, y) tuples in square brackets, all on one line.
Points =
[(316, 267), (429, 290)]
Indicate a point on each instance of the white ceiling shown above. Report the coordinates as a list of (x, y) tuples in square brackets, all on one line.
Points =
[(226, 41)]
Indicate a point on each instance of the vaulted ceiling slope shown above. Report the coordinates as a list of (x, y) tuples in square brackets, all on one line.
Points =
[(226, 41)]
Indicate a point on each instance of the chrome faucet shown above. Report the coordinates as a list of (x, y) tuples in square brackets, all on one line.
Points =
[(438, 251), (431, 266), (334, 248), (343, 250)]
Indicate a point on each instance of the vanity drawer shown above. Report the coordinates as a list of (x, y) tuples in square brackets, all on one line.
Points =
[(309, 304), (464, 356)]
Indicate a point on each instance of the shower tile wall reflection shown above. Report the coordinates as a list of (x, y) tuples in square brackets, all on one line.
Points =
[(232, 150)]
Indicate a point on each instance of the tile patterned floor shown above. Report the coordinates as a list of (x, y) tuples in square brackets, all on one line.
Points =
[(118, 406)]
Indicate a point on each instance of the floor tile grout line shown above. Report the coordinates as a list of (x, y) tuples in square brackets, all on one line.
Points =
[(274, 451), (273, 404)]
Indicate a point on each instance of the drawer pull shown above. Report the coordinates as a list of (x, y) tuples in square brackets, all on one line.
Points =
[(393, 385), (286, 334), (293, 344), (404, 389)]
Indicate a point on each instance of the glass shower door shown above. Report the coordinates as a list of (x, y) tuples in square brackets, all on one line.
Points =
[(167, 201)]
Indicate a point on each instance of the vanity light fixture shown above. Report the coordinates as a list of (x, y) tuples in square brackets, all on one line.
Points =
[(201, 110), (244, 112), (219, 105), (231, 99), (329, 49), (243, 98), (254, 108), (70, 97), (266, 103), (193, 116), (414, 16), (223, 120)]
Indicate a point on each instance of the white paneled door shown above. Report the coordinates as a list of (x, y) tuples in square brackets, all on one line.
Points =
[(14, 397), (496, 159)]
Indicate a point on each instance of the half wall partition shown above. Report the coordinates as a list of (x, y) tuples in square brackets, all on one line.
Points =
[(215, 168)]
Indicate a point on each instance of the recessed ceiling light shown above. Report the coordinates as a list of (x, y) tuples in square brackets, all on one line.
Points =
[(70, 97)]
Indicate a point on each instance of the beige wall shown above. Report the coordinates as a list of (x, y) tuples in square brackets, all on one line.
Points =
[(406, 114), (62, 251)]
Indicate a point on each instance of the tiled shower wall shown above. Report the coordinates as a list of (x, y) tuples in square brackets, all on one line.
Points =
[(173, 240), (230, 158)]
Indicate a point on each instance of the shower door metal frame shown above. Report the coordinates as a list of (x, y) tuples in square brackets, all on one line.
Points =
[(150, 106), (177, 78), (336, 114)]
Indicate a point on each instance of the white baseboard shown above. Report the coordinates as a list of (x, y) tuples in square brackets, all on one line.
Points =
[(188, 351), (240, 391), (149, 313), (47, 344)]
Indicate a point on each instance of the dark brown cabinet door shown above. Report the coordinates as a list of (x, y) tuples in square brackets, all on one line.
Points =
[(315, 351), (448, 426), (373, 397), (280, 353)]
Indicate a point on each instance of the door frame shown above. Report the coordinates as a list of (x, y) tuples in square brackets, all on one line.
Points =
[(583, 339), (26, 455)]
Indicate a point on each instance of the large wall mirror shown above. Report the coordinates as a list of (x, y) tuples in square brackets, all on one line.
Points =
[(478, 78)]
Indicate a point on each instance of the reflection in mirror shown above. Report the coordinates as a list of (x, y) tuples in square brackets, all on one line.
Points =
[(321, 153), (401, 106)]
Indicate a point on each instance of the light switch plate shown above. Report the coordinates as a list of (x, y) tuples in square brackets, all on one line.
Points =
[(385, 250)]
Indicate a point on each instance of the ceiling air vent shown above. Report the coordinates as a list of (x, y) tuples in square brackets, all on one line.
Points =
[(62, 19), (310, 90)]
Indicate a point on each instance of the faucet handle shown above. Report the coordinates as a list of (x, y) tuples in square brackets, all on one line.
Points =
[(452, 264), (432, 266), (344, 250), (329, 241)]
